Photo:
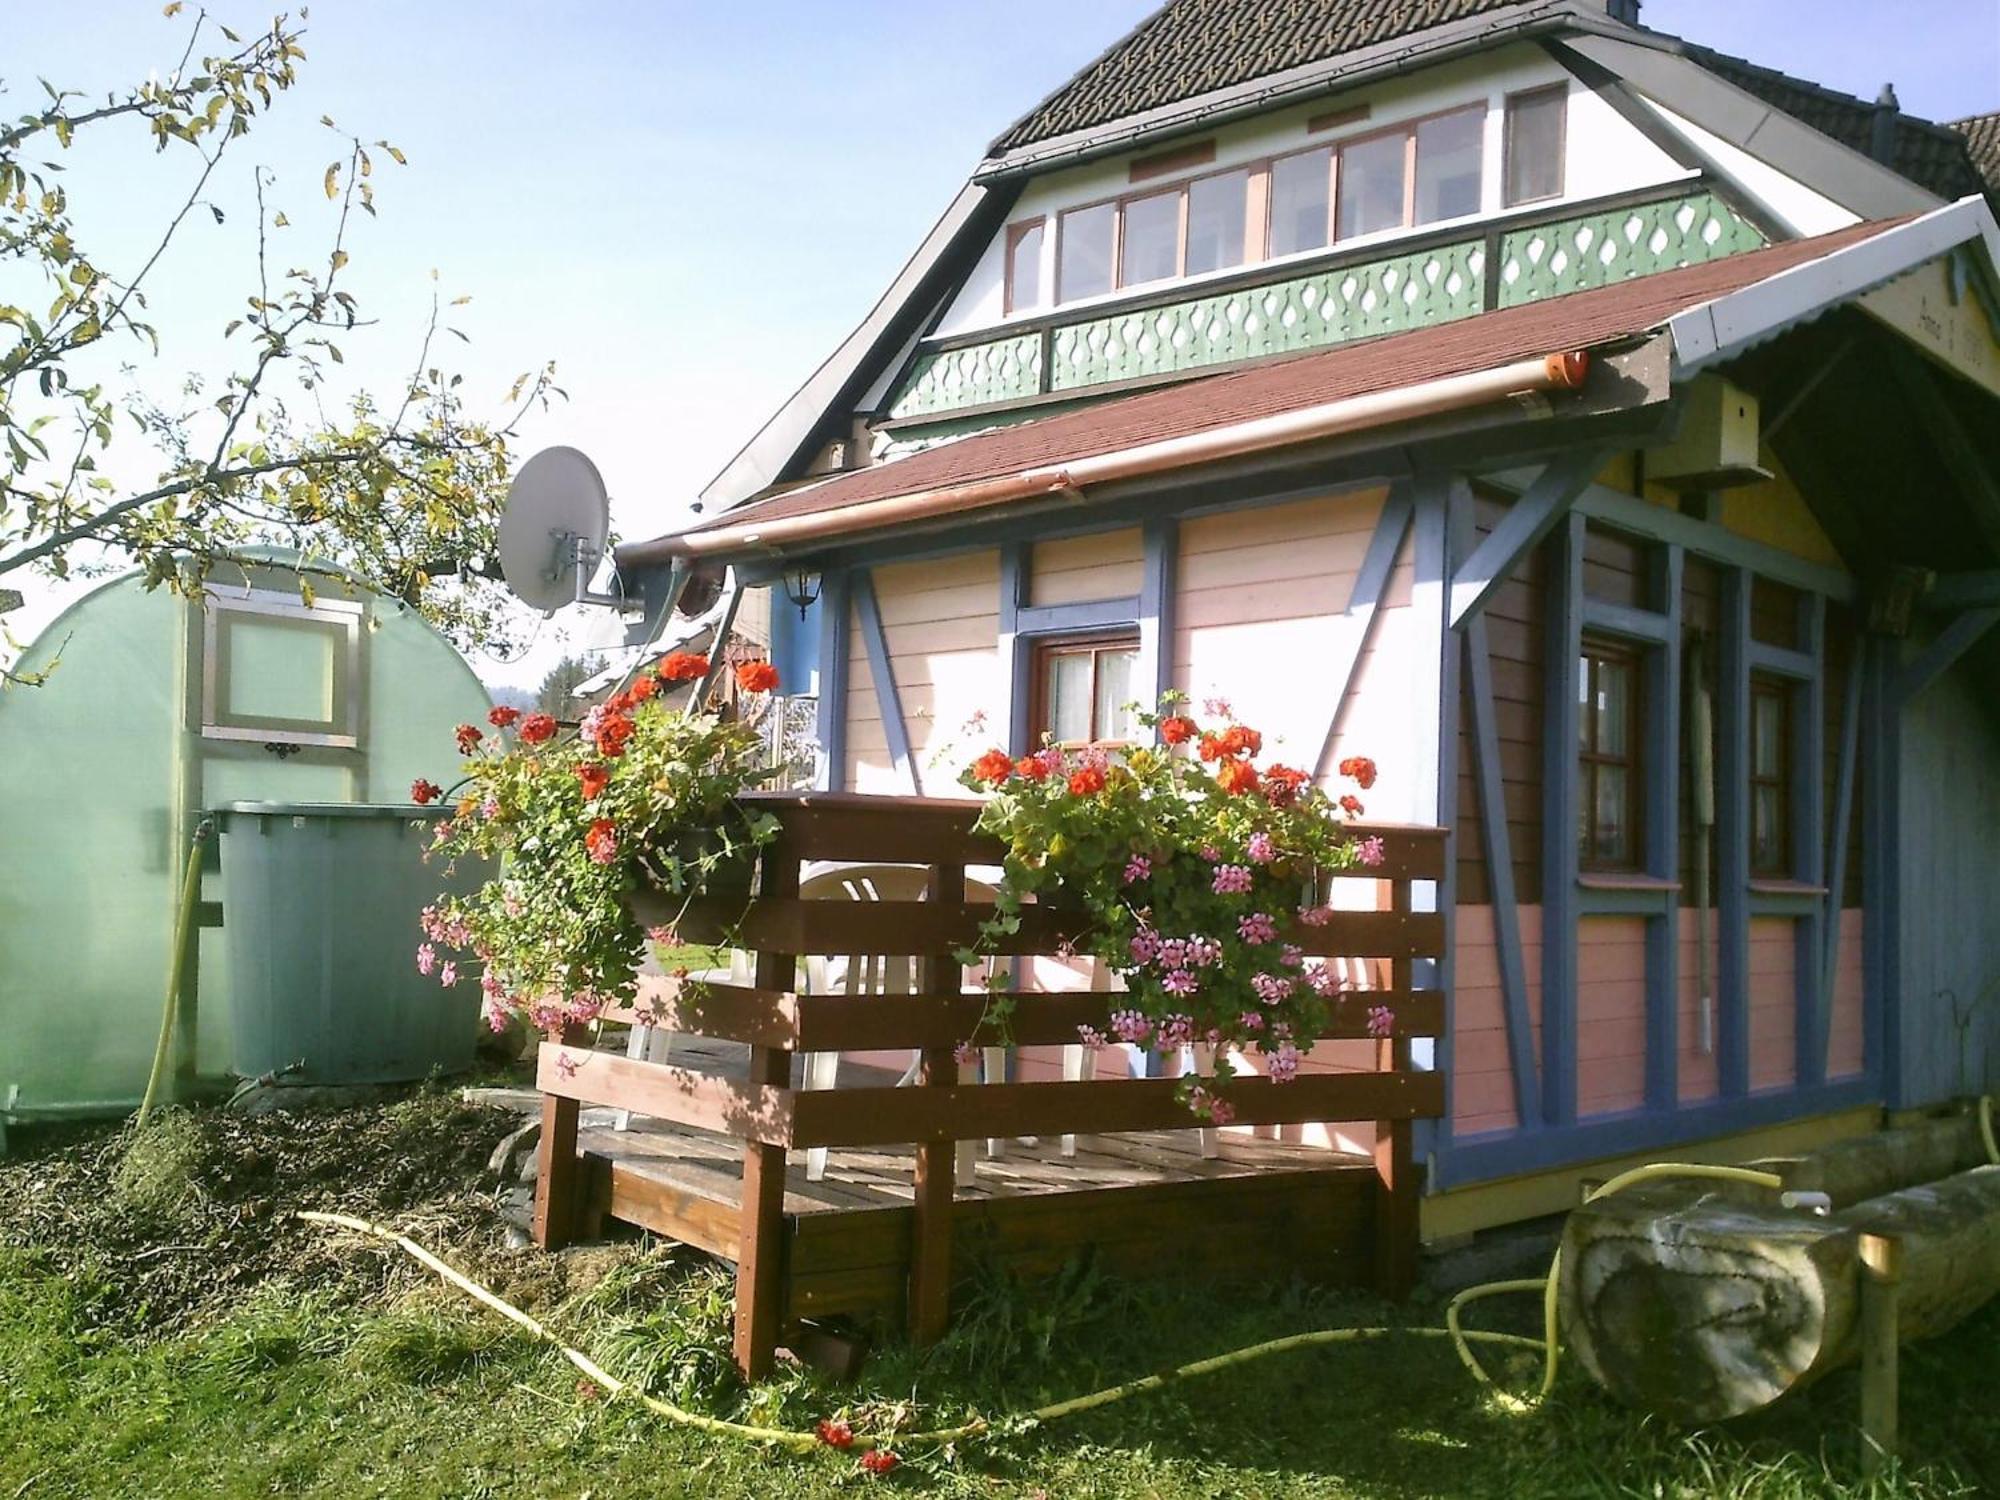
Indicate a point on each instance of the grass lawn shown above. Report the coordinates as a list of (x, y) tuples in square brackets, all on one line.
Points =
[(167, 1330)]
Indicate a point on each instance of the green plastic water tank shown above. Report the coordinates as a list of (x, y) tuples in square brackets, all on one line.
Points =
[(320, 908)]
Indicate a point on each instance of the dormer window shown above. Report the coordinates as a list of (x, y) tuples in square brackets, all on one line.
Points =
[(1024, 265), (1534, 147), (1416, 173)]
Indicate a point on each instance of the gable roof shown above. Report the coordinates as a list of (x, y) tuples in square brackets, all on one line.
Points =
[(1579, 320), (1191, 47), (1188, 48)]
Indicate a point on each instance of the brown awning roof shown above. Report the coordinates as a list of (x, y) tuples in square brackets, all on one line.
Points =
[(1579, 320)]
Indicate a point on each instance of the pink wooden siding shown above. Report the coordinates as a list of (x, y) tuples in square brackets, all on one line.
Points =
[(1774, 1006), (942, 622), (1482, 1074), (1610, 1014), (1079, 569), (1259, 594)]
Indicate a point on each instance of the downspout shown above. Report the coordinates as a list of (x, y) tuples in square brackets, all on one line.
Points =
[(1564, 370)]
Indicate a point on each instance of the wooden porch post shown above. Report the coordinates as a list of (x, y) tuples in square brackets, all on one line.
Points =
[(558, 1179), (1397, 1201), (931, 1230), (760, 1259)]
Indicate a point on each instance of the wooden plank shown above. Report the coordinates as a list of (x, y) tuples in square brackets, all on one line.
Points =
[(1938, 658), (1837, 840), (869, 617), (1564, 626), (1542, 506), (833, 679), (553, 1223), (1357, 619), (760, 1265), (931, 1225), (876, 1116), (1397, 1203), (704, 1100), (1732, 838), (794, 925), (1498, 851), (679, 1213)]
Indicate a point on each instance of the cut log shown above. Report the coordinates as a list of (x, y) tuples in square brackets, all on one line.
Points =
[(1702, 1308)]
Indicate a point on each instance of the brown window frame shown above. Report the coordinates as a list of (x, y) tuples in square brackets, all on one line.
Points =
[(1594, 651), (1043, 652), (1779, 691), (1542, 91), (1017, 232)]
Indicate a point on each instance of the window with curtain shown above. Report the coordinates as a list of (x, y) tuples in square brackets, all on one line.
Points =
[(1084, 690), (1608, 763)]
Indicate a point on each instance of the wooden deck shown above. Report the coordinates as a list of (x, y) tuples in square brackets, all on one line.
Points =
[(1139, 1203)]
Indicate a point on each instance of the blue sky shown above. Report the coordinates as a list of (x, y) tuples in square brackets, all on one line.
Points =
[(687, 205)]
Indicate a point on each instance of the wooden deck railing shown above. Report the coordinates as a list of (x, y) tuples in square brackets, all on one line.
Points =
[(775, 1019)]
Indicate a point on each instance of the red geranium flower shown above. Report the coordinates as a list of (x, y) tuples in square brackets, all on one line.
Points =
[(612, 733), (757, 677), (468, 739), (682, 666), (1211, 747), (1351, 805), (1176, 729), (1361, 769), (503, 716), (1085, 780), (422, 791), (601, 840), (1241, 739), (1236, 777), (1281, 785), (994, 767), (594, 778), (642, 689), (537, 727), (879, 1461), (1033, 767), (835, 1433)]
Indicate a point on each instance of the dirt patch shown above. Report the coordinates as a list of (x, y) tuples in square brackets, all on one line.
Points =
[(170, 1226)]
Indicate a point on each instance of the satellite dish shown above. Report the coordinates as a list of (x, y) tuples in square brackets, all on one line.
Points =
[(553, 531)]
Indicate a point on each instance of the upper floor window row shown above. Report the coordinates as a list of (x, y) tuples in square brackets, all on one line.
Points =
[(1422, 172)]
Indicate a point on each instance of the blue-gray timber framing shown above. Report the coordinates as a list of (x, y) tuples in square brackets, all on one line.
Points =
[(1455, 573), (1550, 1132)]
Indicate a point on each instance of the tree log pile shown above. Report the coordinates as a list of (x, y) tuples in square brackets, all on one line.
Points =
[(1701, 1302)]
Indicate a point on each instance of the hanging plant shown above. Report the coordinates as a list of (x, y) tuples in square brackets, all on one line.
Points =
[(641, 796), (1196, 868)]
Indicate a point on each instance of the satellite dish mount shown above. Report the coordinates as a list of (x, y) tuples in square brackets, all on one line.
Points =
[(553, 532)]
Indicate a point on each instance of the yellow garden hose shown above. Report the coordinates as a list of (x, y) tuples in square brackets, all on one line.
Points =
[(1548, 1286), (1462, 1338), (805, 1441)]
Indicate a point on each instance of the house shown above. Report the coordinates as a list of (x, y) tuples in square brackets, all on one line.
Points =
[(1600, 432)]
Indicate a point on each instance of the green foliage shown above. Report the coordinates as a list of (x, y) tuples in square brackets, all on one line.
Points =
[(644, 796), (557, 696), (1200, 873), (404, 491)]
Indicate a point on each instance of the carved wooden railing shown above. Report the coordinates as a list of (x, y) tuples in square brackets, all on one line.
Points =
[(776, 1019)]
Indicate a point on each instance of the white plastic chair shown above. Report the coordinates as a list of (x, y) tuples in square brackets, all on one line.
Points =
[(873, 974)]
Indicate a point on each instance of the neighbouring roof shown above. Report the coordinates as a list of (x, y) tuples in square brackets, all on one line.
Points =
[(1982, 143), (1192, 47), (1579, 320), (1930, 155)]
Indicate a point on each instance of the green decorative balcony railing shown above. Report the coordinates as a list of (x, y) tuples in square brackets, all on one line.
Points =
[(1357, 296)]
